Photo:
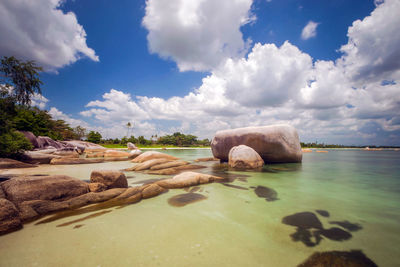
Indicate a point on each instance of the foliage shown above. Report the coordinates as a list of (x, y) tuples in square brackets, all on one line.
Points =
[(176, 139), (20, 79), (79, 132), (13, 143), (94, 137), (40, 123)]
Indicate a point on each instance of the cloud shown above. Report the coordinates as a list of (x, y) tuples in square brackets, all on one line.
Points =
[(39, 101), (328, 101), (310, 30), (197, 34), (372, 52), (59, 115), (40, 31)]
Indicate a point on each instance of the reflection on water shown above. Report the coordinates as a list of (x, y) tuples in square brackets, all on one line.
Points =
[(338, 201)]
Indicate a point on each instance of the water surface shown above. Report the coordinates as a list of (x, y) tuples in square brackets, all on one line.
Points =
[(353, 197)]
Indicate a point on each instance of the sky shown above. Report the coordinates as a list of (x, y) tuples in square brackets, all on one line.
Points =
[(331, 69)]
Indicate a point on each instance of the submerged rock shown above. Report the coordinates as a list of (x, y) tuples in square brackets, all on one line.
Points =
[(112, 179), (9, 217), (11, 164), (244, 157), (152, 155), (353, 258), (185, 199), (265, 192), (52, 187), (275, 143)]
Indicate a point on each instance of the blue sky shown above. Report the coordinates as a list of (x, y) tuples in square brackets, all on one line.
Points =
[(201, 66)]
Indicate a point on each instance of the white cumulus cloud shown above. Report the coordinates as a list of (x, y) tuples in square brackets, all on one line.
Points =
[(197, 34), (38, 30), (310, 30)]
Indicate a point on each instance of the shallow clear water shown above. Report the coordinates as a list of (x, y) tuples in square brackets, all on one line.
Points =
[(233, 226)]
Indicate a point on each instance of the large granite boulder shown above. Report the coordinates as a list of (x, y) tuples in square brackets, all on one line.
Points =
[(112, 179), (9, 217), (53, 187), (45, 141), (244, 157), (275, 143), (11, 164), (152, 155)]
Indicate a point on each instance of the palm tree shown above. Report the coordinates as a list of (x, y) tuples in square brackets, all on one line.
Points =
[(128, 125)]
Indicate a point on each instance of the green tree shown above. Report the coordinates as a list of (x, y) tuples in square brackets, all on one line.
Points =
[(20, 79), (94, 137), (79, 132)]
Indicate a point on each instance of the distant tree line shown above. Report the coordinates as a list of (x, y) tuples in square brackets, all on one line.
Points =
[(176, 139)]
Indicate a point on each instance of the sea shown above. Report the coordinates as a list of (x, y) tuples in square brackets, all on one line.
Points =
[(340, 200)]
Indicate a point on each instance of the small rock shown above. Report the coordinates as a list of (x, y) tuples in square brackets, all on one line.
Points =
[(131, 146), (97, 187), (112, 179)]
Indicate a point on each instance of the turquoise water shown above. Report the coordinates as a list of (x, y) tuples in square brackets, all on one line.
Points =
[(232, 226)]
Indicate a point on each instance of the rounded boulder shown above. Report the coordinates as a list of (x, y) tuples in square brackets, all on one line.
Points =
[(244, 157)]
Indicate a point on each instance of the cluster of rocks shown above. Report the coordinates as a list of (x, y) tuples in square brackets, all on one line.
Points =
[(153, 162), (23, 199), (49, 151), (250, 147)]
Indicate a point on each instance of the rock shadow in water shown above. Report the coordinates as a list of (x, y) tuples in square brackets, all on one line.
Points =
[(323, 213), (353, 258), (185, 199), (265, 192), (235, 186), (310, 230), (352, 227), (97, 214)]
